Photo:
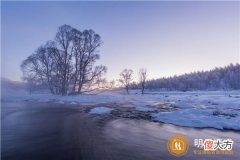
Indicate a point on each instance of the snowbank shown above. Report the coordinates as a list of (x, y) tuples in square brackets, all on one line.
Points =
[(9, 95), (100, 110), (198, 118)]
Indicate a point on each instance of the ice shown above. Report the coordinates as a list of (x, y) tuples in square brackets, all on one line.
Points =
[(100, 110)]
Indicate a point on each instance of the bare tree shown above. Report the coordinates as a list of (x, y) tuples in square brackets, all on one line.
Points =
[(42, 67), (85, 55), (112, 84), (66, 64), (126, 76), (64, 40), (142, 78)]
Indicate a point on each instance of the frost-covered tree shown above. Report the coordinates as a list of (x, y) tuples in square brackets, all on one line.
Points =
[(142, 79), (126, 76), (221, 78), (85, 56), (66, 64)]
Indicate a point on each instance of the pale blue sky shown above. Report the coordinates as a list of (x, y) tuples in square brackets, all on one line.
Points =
[(167, 38)]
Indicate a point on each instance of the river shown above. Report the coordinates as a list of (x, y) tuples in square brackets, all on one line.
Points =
[(42, 131)]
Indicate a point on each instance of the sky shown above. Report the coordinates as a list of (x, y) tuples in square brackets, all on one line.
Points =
[(166, 38)]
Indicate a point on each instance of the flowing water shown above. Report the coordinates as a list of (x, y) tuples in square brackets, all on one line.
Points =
[(42, 131)]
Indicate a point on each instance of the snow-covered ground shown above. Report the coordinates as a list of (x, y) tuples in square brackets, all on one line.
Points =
[(214, 109), (100, 110)]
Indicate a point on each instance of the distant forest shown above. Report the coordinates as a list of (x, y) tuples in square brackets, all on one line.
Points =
[(220, 78)]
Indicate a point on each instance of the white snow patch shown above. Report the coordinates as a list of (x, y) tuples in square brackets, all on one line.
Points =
[(100, 110), (198, 118), (60, 102)]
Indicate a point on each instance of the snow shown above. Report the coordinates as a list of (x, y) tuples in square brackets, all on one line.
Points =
[(100, 110), (201, 109), (214, 109), (21, 95), (198, 118), (181, 104)]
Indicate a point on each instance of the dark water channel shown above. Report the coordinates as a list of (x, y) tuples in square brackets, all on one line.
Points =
[(42, 131)]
